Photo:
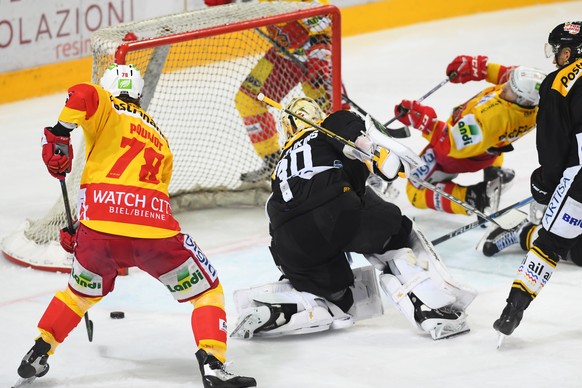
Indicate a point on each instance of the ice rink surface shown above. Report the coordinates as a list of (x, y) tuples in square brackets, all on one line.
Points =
[(153, 345)]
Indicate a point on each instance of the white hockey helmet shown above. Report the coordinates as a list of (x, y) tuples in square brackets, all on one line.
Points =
[(122, 80), (525, 82), (304, 107)]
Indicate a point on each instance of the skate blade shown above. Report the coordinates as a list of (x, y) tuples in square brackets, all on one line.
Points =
[(449, 331), (239, 331), (23, 382), (481, 242), (254, 319), (500, 339), (450, 335)]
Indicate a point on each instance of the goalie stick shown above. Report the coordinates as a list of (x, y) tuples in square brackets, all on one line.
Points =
[(71, 229), (477, 223), (507, 221), (398, 133), (275, 104)]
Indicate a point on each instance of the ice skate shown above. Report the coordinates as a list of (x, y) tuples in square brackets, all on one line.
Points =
[(499, 239), (253, 319), (508, 321), (440, 323), (214, 374), (506, 175), (484, 196), (34, 363)]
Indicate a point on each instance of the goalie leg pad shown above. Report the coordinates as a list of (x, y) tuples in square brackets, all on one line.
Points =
[(423, 290), (413, 276), (439, 323), (367, 299), (426, 254)]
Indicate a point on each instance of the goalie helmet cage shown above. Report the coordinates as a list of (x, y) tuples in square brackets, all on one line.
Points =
[(193, 63)]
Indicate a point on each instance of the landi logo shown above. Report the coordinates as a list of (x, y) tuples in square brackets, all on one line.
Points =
[(467, 132), (86, 280), (185, 280)]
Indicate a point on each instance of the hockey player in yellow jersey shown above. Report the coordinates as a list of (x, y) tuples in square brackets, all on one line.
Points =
[(475, 136), (125, 220), (301, 55)]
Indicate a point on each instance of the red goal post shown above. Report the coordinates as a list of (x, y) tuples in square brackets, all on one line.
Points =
[(194, 64)]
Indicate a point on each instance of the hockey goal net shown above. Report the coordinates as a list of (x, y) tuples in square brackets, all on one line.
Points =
[(194, 64)]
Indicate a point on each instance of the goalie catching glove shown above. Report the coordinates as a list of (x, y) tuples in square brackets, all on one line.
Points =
[(57, 153)]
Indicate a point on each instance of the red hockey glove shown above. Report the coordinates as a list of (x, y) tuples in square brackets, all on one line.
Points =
[(318, 64), (417, 115), (465, 68), (68, 239), (57, 153), (212, 3)]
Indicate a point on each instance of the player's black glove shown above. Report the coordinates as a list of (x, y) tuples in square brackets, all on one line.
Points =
[(540, 193)]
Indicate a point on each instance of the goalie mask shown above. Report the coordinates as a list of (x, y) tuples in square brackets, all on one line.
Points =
[(525, 83), (122, 80), (303, 107)]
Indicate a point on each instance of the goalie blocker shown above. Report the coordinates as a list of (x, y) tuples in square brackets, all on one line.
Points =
[(414, 278)]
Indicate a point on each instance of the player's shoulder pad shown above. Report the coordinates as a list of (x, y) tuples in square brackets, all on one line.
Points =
[(85, 97), (566, 77)]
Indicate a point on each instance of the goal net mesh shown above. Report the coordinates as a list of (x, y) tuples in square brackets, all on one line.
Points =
[(194, 64)]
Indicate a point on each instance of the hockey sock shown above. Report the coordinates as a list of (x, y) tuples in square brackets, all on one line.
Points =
[(423, 198), (534, 272), (63, 314), (209, 323), (527, 236)]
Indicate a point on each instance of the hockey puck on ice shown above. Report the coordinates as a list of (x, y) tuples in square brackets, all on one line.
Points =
[(117, 315)]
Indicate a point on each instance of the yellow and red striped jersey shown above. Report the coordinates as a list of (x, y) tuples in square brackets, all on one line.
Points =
[(124, 185)]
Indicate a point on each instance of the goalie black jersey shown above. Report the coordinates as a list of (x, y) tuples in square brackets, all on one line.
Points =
[(313, 169)]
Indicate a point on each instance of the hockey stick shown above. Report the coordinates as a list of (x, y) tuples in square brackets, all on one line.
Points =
[(275, 104), (398, 133), (506, 221), (477, 223), (71, 230), (421, 99)]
